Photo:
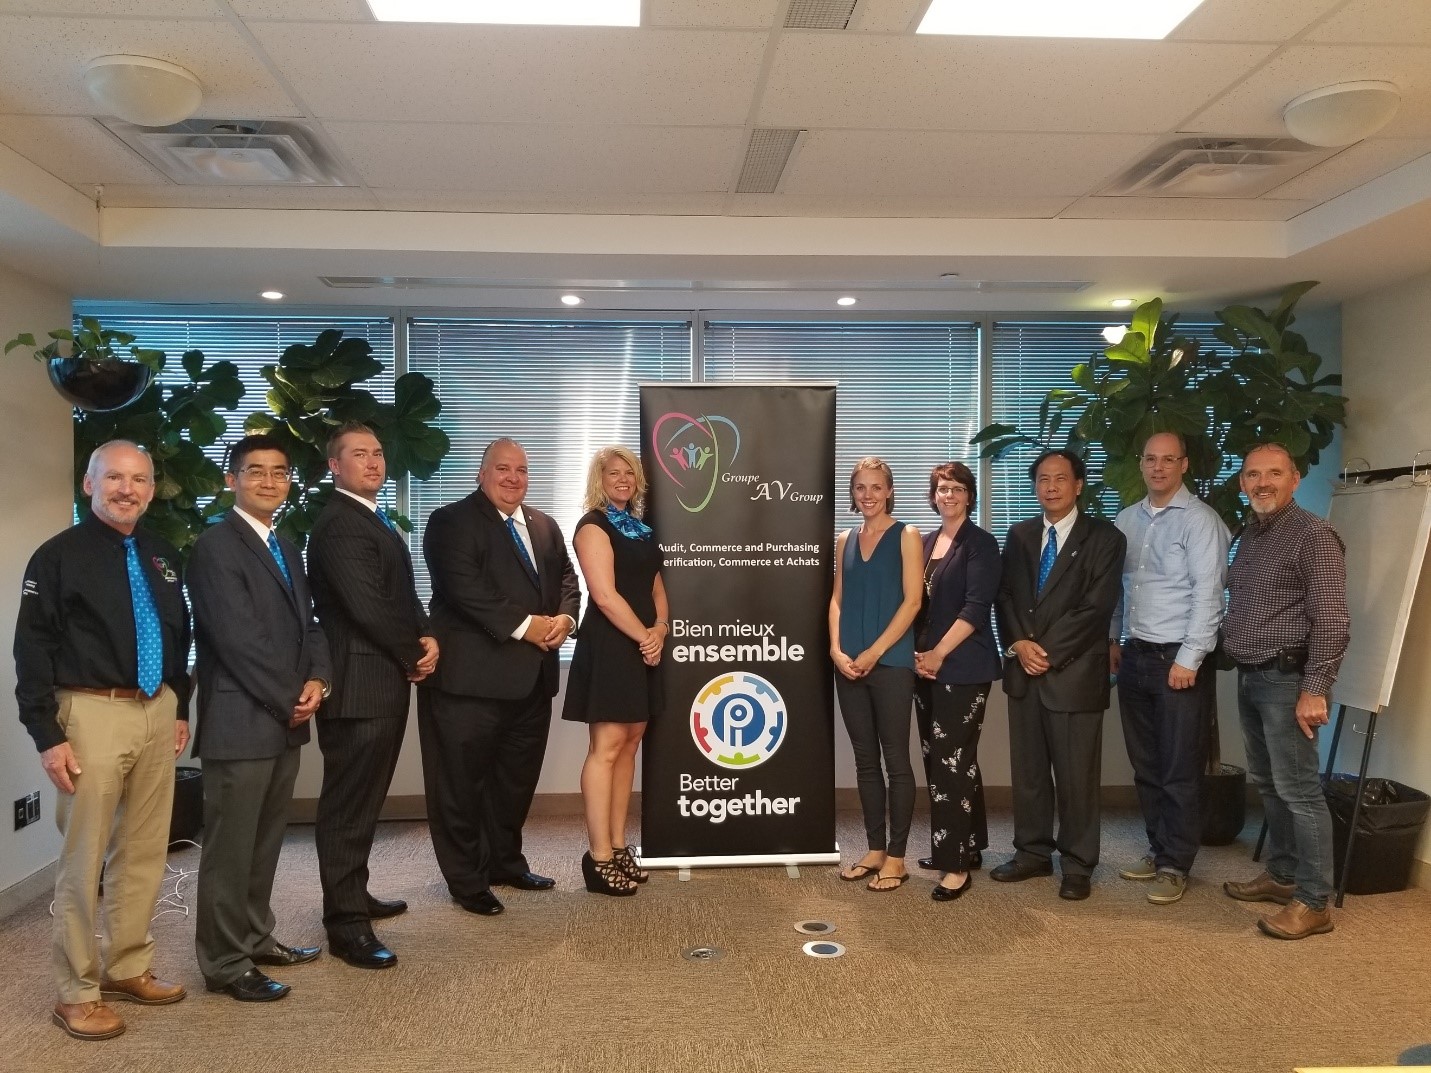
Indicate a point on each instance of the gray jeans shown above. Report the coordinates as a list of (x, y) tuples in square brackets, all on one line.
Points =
[(877, 711)]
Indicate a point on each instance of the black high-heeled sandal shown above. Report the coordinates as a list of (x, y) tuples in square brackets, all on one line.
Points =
[(630, 865), (606, 877)]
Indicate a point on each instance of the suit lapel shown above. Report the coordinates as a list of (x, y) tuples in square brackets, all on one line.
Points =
[(1066, 554), (265, 557), (489, 510)]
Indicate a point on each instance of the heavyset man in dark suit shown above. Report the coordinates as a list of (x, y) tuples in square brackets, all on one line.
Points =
[(262, 665), (504, 598), (376, 627), (1061, 582)]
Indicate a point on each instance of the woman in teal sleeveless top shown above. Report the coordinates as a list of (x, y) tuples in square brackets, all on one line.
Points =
[(878, 589)]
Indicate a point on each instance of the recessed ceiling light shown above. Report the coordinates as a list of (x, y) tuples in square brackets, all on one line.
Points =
[(570, 300), (272, 296), (525, 12), (846, 301), (1123, 303), (1150, 20)]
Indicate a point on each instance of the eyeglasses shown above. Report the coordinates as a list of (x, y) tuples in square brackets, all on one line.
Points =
[(1167, 460), (258, 474)]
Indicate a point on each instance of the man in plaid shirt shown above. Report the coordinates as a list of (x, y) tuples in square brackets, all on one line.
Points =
[(1287, 627)]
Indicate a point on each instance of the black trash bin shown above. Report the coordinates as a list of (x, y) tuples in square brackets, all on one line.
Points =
[(1387, 830), (187, 819)]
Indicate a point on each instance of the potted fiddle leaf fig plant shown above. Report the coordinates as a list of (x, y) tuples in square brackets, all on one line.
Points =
[(1264, 386)]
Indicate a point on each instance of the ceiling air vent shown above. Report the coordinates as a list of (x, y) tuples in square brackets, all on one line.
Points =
[(1216, 167), (820, 14), (766, 156), (208, 152)]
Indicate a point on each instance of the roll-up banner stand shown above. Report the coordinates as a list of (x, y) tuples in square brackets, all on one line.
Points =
[(741, 768)]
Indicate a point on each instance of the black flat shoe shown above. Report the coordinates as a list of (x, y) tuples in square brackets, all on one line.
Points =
[(378, 909), (926, 862), (288, 955), (941, 893), (1015, 871), (527, 881), (484, 903), (362, 952), (253, 986), (1075, 888), (606, 877)]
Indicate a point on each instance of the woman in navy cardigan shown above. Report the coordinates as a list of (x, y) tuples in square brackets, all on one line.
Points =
[(956, 662)]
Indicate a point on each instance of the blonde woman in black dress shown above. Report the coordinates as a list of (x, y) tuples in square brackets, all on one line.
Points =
[(614, 684)]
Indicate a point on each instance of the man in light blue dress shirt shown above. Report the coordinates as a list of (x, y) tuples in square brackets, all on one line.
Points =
[(1161, 636)]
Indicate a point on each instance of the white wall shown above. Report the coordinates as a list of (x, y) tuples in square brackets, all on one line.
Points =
[(1385, 339), (37, 443)]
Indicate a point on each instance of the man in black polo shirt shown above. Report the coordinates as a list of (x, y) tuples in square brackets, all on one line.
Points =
[(101, 646), (1287, 627)]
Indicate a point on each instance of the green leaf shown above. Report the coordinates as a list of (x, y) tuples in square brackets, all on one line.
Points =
[(994, 430), (1145, 322), (1282, 315)]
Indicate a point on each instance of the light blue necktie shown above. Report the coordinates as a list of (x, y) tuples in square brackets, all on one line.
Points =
[(146, 622), (383, 517), (278, 555), (522, 549), (1045, 562)]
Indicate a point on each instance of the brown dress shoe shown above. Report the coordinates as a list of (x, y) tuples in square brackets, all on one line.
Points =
[(145, 989), (1297, 921), (1262, 889), (87, 1020)]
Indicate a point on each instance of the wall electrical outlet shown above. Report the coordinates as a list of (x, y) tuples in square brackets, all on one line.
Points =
[(27, 809)]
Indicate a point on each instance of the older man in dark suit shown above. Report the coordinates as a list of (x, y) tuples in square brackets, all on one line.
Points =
[(504, 598), (377, 633), (262, 669), (1061, 582)]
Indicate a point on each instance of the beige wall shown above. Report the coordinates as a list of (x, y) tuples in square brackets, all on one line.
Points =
[(1386, 337), (37, 443)]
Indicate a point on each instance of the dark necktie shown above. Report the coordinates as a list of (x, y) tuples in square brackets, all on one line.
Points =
[(1045, 562), (278, 555), (522, 549), (146, 622)]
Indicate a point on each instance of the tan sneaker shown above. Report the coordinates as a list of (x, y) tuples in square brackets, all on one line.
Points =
[(145, 989), (87, 1020), (1262, 889), (1297, 921), (1167, 888), (1142, 869)]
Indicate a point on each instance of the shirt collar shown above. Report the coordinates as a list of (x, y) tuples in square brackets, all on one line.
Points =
[(516, 516), (357, 498), (1181, 499), (1273, 518), (254, 524), (109, 532), (1062, 527)]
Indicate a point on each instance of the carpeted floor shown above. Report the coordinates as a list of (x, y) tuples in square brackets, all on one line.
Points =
[(1008, 978)]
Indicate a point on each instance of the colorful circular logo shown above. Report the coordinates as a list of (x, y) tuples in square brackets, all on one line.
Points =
[(738, 720)]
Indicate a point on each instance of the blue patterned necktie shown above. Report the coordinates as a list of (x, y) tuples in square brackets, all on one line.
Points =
[(522, 548), (1045, 562), (383, 517), (278, 555), (146, 622)]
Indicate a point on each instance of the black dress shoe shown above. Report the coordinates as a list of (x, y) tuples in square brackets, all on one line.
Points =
[(253, 986), (287, 955), (1075, 888), (362, 951), (926, 862), (941, 893), (1016, 870), (484, 903), (378, 908), (527, 881)]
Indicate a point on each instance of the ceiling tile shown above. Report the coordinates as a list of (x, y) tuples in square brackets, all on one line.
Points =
[(618, 204), (543, 160), (43, 63), (1250, 20), (237, 197), (77, 150), (518, 73), (1397, 22), (759, 14), (1255, 106), (922, 163), (888, 16), (1353, 166), (985, 83), (950, 208), (149, 9), (304, 10), (1183, 208)]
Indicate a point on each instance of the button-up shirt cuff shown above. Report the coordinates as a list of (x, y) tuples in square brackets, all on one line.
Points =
[(1189, 657), (521, 630), (1317, 683)]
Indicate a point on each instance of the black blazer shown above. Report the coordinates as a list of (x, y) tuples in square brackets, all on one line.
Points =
[(481, 592), (1069, 618), (963, 586), (257, 643), (366, 599)]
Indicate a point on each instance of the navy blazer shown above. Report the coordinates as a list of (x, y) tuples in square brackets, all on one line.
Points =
[(963, 586)]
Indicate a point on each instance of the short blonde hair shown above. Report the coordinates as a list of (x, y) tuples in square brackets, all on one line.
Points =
[(880, 466), (596, 496)]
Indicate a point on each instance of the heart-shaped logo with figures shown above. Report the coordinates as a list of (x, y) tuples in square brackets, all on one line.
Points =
[(693, 452)]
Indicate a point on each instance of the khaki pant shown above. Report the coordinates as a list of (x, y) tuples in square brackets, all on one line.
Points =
[(121, 808)]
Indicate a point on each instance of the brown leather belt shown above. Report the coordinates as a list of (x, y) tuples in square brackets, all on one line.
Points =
[(116, 693)]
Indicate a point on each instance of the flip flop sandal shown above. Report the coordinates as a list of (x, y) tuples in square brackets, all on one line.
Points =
[(899, 881), (860, 872)]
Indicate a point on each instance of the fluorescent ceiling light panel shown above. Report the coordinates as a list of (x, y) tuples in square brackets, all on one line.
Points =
[(513, 12), (1150, 20)]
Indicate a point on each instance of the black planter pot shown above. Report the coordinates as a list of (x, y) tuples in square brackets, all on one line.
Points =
[(99, 386), (1223, 798), (188, 816)]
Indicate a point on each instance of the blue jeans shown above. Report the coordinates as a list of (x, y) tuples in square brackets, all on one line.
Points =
[(1283, 764), (1165, 730)]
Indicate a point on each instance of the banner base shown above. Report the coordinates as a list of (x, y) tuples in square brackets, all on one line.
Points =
[(739, 860)]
